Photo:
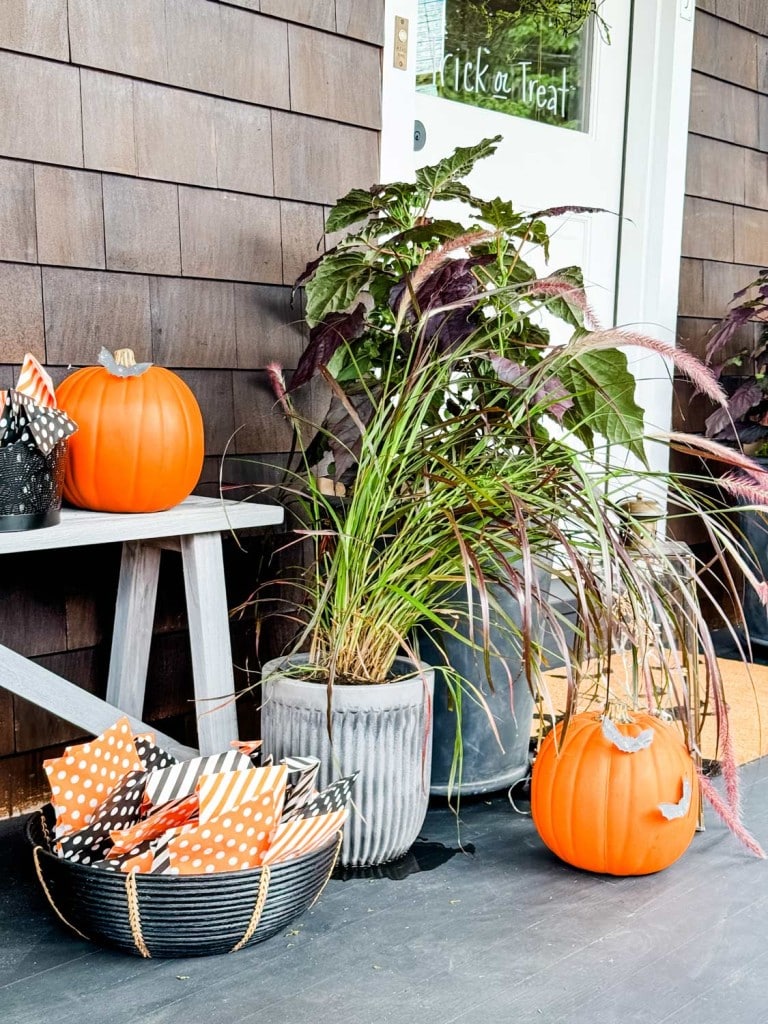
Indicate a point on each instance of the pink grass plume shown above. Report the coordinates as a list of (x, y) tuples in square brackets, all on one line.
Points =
[(730, 818)]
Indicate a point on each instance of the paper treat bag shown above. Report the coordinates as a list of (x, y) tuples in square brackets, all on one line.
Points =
[(33, 439), (123, 804)]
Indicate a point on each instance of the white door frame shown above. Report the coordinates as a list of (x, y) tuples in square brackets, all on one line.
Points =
[(653, 194), (653, 189)]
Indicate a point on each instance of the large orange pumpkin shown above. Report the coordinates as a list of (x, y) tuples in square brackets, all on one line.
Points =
[(139, 447), (620, 798)]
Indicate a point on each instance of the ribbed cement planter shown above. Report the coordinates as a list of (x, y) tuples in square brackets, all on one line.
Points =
[(383, 731)]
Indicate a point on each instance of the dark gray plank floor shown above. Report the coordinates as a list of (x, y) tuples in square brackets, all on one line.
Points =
[(505, 933)]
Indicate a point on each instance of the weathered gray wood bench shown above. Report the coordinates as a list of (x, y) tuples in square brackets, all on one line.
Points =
[(194, 528)]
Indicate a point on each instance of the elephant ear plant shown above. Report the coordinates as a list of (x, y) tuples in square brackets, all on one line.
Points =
[(465, 449)]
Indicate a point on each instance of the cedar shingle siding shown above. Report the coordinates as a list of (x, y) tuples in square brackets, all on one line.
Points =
[(163, 170), (725, 228), (725, 232)]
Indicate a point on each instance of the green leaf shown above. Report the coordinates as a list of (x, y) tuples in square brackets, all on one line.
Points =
[(499, 214), (458, 165), (571, 310), (534, 231), (603, 391), (351, 208), (380, 286), (435, 231), (455, 190), (337, 283)]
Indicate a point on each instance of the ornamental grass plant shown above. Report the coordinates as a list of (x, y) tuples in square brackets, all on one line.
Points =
[(462, 448)]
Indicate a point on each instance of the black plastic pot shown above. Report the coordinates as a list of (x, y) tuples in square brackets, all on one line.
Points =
[(31, 486), (180, 916)]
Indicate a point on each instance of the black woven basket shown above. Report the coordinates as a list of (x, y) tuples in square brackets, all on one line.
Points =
[(173, 915), (31, 485)]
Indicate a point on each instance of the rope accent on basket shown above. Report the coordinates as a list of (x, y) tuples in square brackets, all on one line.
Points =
[(330, 872), (261, 897), (134, 917), (36, 857), (134, 914)]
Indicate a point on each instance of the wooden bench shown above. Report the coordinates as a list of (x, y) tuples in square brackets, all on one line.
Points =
[(194, 528)]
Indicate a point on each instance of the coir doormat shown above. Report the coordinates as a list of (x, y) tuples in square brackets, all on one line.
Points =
[(746, 692)]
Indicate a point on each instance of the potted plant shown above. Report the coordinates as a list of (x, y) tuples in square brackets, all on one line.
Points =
[(460, 450), (743, 421)]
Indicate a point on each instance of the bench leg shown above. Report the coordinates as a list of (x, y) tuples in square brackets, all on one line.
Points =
[(134, 618), (209, 638)]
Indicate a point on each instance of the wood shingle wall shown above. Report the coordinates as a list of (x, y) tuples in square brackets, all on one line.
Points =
[(164, 170), (725, 230)]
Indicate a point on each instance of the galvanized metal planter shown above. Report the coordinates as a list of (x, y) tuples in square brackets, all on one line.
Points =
[(383, 731), (491, 761)]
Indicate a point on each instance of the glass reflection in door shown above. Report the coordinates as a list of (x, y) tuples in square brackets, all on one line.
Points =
[(503, 56)]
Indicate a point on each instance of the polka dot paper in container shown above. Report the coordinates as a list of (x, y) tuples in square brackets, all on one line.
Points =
[(84, 776), (123, 805)]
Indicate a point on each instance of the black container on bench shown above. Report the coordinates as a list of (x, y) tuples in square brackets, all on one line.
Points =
[(31, 485)]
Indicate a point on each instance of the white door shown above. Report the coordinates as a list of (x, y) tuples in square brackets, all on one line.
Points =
[(538, 165), (623, 151)]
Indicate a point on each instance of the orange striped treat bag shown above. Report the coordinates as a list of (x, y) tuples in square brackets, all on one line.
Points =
[(85, 775), (36, 383), (304, 835), (172, 815), (322, 815), (229, 790)]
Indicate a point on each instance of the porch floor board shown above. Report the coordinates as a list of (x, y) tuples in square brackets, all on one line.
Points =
[(505, 932)]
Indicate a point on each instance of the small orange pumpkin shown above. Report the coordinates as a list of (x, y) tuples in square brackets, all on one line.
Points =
[(615, 797), (140, 444)]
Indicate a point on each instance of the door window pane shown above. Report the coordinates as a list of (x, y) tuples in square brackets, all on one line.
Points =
[(493, 54)]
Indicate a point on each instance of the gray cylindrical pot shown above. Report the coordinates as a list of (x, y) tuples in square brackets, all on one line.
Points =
[(383, 731), (489, 763)]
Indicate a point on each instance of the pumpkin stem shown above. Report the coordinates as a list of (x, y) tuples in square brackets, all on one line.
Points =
[(618, 711), (627, 744), (125, 357), (122, 363)]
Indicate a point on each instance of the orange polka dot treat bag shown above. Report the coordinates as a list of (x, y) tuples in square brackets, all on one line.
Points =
[(85, 776), (140, 444), (238, 814)]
